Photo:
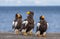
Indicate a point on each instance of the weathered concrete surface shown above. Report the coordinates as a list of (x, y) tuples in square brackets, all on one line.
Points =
[(10, 35)]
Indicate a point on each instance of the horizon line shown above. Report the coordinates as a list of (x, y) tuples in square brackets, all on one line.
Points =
[(26, 6)]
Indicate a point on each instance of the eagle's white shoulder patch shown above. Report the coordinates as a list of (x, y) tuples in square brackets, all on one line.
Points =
[(38, 24)]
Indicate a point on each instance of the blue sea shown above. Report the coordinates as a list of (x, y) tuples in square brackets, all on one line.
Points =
[(51, 13)]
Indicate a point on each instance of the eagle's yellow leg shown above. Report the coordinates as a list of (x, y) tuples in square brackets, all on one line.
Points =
[(17, 31)]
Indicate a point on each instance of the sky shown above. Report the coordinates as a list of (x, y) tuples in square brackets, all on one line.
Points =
[(29, 2)]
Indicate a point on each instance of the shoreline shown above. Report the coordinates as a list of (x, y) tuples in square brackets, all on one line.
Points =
[(12, 35)]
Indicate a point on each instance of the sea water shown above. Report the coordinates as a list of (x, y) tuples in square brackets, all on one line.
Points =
[(51, 13)]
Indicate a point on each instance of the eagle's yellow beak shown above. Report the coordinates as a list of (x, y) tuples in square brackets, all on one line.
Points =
[(18, 15), (28, 12), (42, 17)]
